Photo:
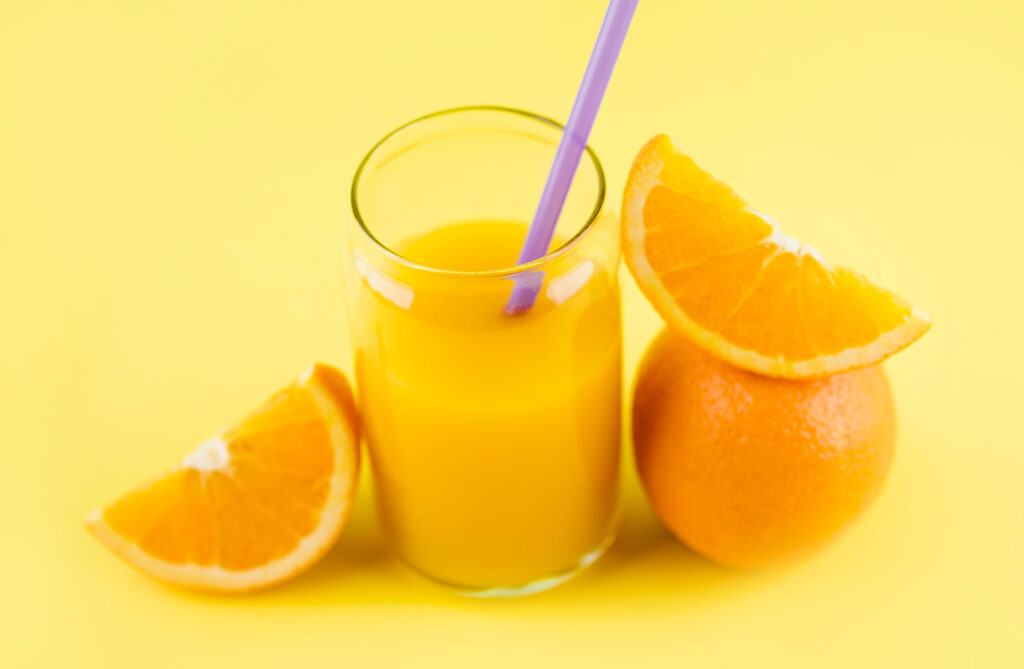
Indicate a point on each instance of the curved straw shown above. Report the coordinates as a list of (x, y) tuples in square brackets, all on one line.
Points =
[(570, 149)]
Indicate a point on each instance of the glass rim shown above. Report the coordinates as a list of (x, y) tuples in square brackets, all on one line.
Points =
[(489, 273)]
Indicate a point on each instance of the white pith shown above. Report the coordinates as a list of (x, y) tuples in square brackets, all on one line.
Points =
[(211, 455)]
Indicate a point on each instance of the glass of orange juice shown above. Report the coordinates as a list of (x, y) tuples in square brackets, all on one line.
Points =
[(494, 439)]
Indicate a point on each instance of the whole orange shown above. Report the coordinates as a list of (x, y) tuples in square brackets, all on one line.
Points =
[(750, 470)]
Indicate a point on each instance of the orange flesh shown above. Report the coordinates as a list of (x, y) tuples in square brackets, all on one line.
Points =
[(246, 516), (256, 504), (743, 289)]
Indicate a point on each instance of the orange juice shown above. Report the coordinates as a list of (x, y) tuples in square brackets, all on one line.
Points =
[(494, 439)]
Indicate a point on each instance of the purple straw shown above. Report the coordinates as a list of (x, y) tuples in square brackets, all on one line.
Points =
[(570, 149)]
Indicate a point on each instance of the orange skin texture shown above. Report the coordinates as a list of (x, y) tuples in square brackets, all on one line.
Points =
[(752, 471)]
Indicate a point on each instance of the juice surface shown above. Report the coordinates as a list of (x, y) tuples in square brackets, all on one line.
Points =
[(494, 439)]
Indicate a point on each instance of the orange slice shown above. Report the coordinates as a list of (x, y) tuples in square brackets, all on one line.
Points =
[(730, 280), (253, 506)]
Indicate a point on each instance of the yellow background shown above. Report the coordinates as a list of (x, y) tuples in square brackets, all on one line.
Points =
[(173, 180)]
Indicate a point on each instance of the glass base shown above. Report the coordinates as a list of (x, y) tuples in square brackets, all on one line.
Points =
[(533, 587)]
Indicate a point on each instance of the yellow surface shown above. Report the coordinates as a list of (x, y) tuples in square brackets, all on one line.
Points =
[(496, 462), (174, 175)]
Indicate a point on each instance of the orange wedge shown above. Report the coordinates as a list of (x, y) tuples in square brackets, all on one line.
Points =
[(253, 506), (736, 285)]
